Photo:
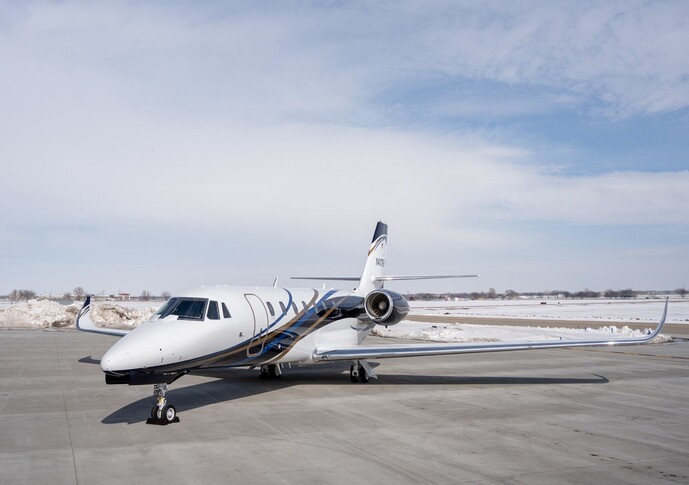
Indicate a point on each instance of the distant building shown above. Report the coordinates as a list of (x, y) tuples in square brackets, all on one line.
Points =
[(124, 296)]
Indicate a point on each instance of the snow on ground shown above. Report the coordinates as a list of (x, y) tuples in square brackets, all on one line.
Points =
[(38, 313), (623, 311), (461, 332), (47, 313)]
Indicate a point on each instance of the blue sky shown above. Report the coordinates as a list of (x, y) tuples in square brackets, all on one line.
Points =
[(164, 145)]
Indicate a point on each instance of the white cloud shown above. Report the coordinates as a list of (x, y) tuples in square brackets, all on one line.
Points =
[(630, 55), (199, 120), (251, 64)]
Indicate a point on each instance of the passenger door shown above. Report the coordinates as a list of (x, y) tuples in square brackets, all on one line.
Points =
[(260, 324)]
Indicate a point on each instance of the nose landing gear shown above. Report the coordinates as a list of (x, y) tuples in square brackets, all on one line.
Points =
[(162, 413)]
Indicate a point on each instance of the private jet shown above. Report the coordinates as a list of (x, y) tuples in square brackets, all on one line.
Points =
[(266, 328)]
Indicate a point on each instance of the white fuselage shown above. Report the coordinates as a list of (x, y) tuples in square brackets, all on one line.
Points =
[(239, 326)]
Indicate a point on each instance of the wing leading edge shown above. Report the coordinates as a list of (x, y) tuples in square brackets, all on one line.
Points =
[(419, 350)]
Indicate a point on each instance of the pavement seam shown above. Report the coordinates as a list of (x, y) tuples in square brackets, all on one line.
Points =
[(626, 352), (64, 402)]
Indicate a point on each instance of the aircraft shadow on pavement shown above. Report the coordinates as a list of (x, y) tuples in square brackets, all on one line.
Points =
[(232, 384), (89, 360)]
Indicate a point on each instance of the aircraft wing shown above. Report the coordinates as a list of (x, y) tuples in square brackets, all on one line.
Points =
[(85, 324), (418, 350)]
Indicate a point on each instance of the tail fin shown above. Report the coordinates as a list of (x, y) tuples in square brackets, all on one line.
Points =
[(375, 262)]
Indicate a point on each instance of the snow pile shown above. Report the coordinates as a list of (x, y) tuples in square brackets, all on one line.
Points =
[(464, 332), (47, 313), (119, 316), (39, 314)]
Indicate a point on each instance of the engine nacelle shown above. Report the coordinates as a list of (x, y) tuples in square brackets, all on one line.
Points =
[(386, 307)]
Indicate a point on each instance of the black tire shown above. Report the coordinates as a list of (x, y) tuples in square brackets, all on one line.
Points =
[(154, 413), (363, 376), (273, 371), (352, 377), (168, 414)]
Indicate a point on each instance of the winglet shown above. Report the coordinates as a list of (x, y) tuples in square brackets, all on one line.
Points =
[(85, 324), (662, 320)]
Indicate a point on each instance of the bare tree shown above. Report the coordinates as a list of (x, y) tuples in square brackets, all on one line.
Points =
[(681, 292), (22, 295), (166, 295), (492, 294), (145, 295), (78, 292), (511, 295)]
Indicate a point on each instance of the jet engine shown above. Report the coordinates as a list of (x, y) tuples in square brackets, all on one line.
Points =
[(386, 307)]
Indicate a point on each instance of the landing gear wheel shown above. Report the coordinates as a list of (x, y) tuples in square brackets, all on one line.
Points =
[(162, 413), (169, 414), (353, 374), (357, 373), (271, 371)]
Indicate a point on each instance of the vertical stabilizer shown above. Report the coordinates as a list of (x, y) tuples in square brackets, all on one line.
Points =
[(375, 262)]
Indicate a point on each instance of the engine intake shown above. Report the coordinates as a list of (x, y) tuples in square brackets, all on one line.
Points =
[(386, 307)]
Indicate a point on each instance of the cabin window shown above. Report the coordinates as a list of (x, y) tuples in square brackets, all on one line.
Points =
[(184, 308), (282, 306), (225, 311), (270, 309), (213, 313)]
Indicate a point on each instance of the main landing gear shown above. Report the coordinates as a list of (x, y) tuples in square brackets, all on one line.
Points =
[(361, 372), (271, 371), (162, 413)]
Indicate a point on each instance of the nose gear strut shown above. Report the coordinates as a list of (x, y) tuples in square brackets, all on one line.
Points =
[(162, 413)]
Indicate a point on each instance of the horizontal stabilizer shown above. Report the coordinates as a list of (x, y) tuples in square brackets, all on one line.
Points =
[(423, 277), (387, 278), (327, 278)]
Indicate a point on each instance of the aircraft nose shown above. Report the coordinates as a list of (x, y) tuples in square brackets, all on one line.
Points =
[(114, 360)]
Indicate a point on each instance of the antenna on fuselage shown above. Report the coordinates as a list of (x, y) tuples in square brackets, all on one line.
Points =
[(275, 282)]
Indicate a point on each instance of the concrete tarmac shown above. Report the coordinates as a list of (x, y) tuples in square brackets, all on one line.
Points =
[(547, 416)]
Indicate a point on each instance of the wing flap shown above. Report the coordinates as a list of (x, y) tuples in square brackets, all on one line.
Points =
[(419, 350)]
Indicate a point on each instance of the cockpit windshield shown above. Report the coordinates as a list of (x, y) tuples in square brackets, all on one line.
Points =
[(184, 308)]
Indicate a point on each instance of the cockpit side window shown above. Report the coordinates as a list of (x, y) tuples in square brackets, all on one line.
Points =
[(225, 311), (282, 307), (294, 308), (213, 313), (270, 309), (185, 308), (166, 306), (303, 303)]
